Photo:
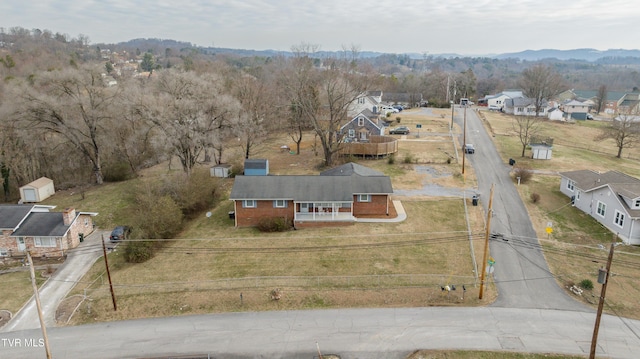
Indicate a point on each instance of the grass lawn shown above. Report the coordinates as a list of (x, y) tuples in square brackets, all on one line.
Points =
[(16, 289), (362, 265), (466, 354)]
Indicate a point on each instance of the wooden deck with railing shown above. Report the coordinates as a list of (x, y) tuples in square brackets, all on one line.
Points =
[(377, 146)]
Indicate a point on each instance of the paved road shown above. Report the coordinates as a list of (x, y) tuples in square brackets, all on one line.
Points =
[(521, 272), (351, 333), (78, 261)]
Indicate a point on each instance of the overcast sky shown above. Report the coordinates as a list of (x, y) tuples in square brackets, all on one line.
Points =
[(465, 27)]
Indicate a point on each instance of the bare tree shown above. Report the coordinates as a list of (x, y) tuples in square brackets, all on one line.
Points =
[(323, 96), (466, 83), (624, 130), (190, 110), (250, 124), (601, 98), (526, 127), (74, 105), (540, 83), (133, 136)]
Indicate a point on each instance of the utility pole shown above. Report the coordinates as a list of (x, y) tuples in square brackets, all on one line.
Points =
[(106, 263), (604, 281), (464, 137), (486, 243), (39, 306), (452, 108)]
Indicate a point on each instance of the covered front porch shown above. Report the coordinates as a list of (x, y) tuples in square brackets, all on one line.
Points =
[(324, 211)]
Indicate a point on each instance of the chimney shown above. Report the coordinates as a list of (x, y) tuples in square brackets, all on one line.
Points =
[(68, 215)]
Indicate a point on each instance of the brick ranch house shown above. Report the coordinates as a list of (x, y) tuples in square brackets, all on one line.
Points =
[(42, 232), (338, 196)]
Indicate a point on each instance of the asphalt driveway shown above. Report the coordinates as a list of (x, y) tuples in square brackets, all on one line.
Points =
[(78, 262)]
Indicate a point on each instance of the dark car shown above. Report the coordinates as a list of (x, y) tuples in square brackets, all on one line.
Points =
[(120, 233), (398, 107), (402, 130), (468, 148)]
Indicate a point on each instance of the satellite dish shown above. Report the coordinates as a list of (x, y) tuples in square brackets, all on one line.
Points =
[(208, 214)]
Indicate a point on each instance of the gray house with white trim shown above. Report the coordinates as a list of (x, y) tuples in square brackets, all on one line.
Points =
[(362, 127), (612, 198)]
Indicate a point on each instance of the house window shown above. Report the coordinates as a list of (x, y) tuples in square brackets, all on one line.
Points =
[(249, 203), (636, 203), (364, 198), (45, 242), (602, 208), (361, 100), (86, 222), (619, 219), (520, 109), (570, 185), (4, 252), (352, 133), (360, 121), (578, 195), (280, 203)]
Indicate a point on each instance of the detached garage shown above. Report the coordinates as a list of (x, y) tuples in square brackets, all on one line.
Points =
[(37, 191)]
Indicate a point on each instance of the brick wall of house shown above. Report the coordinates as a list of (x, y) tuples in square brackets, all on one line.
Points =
[(322, 224), (45, 251), (377, 206), (248, 217), (8, 243), (83, 224)]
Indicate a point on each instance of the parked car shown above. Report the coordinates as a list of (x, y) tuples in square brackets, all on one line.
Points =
[(589, 116), (468, 148), (402, 130), (398, 107), (494, 108), (385, 109), (120, 233)]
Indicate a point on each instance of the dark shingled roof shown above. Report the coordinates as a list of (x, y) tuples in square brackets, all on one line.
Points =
[(308, 188), (12, 214), (46, 224)]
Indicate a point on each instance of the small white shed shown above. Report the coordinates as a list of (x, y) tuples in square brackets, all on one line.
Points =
[(541, 152), (37, 191), (221, 170)]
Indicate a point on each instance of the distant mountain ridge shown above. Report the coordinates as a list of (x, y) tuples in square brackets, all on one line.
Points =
[(590, 55), (586, 54)]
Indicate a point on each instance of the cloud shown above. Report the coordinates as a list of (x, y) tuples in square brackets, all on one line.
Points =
[(460, 26)]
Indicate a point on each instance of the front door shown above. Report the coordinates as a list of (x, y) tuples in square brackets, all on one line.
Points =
[(21, 245), (304, 207), (363, 136)]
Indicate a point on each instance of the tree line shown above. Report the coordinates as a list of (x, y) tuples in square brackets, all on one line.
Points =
[(60, 118)]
